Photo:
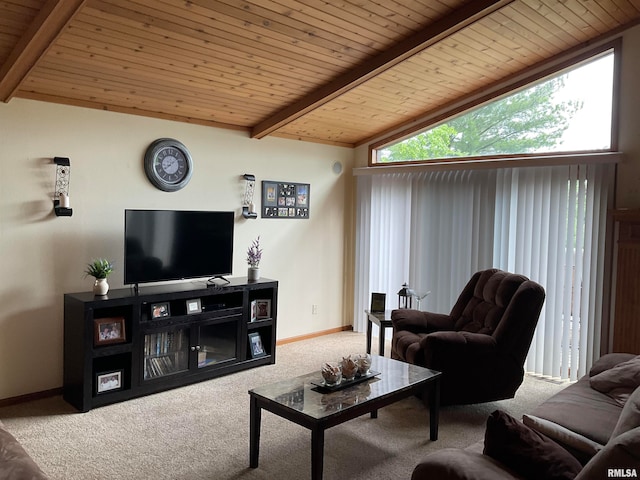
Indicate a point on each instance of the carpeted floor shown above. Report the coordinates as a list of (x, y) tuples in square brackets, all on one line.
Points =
[(201, 431)]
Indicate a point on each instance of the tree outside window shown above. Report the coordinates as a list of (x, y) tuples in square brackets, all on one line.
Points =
[(543, 118)]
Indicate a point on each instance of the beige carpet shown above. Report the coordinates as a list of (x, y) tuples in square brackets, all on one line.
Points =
[(201, 431)]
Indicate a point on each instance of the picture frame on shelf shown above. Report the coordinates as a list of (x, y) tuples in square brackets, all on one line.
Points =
[(160, 310), (256, 347), (109, 330), (253, 312), (194, 306), (378, 302), (109, 381), (263, 309)]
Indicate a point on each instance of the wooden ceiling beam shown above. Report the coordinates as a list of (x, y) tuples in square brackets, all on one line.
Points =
[(52, 19), (417, 42)]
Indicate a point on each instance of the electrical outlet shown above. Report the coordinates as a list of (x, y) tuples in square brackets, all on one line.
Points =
[(314, 309)]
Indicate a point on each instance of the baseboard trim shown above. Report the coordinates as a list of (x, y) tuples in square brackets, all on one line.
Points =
[(6, 402), (315, 334)]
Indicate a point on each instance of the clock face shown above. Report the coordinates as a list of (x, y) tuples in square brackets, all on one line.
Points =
[(168, 164), (171, 164)]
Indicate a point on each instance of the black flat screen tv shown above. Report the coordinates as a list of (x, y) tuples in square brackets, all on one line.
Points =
[(162, 245)]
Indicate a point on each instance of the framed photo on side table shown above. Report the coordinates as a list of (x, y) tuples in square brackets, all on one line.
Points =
[(256, 348), (378, 302), (109, 330), (109, 381)]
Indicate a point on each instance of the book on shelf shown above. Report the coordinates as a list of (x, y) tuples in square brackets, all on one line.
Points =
[(159, 366), (162, 343)]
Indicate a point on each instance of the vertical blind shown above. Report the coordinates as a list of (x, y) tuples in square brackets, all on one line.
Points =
[(433, 230)]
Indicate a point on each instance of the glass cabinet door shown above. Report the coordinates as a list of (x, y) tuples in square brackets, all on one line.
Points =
[(165, 353), (216, 343)]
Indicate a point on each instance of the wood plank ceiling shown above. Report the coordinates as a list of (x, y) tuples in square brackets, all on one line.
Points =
[(334, 71)]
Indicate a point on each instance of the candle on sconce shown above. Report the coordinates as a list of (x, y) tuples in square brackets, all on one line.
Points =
[(64, 200), (252, 207)]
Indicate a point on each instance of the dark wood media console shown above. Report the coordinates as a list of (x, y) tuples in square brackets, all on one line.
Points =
[(126, 345)]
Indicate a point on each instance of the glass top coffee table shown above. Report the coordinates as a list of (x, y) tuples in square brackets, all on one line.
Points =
[(301, 401)]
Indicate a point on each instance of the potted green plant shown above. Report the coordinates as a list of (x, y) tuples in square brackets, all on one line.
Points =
[(100, 269), (254, 255)]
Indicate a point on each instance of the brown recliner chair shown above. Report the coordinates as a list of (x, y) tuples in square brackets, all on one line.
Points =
[(481, 345)]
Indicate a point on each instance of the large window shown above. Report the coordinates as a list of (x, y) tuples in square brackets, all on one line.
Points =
[(569, 112), (434, 225), (434, 229)]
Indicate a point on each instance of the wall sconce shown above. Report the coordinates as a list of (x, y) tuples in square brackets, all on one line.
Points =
[(248, 207), (61, 193)]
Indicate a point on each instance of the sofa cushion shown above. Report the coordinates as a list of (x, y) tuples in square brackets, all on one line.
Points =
[(15, 462), (583, 410), (578, 445), (621, 454), (457, 464), (630, 415), (526, 451), (608, 361), (619, 381)]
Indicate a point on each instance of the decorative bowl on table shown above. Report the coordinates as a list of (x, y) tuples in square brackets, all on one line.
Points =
[(349, 367), (332, 373), (364, 363)]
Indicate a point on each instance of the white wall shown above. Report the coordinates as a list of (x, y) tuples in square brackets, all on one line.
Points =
[(43, 256)]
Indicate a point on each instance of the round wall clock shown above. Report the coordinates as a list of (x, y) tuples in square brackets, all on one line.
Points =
[(168, 164)]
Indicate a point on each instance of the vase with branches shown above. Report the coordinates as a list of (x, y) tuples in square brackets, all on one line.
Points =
[(254, 255)]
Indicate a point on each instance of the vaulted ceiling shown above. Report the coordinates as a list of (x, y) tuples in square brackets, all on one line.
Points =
[(333, 71)]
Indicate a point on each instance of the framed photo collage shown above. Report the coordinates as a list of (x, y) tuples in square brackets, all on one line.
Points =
[(285, 199)]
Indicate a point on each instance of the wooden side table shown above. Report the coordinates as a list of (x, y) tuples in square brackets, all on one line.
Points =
[(383, 320)]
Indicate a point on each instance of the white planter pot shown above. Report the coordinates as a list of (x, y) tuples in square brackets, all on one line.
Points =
[(253, 274), (100, 287)]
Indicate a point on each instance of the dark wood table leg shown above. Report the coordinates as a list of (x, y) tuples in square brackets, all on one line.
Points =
[(254, 432), (434, 408), (317, 453), (368, 334), (381, 334)]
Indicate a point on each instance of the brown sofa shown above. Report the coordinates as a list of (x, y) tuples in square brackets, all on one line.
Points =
[(580, 433), (15, 462)]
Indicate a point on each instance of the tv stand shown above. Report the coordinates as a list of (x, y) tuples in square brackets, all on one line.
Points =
[(169, 336)]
